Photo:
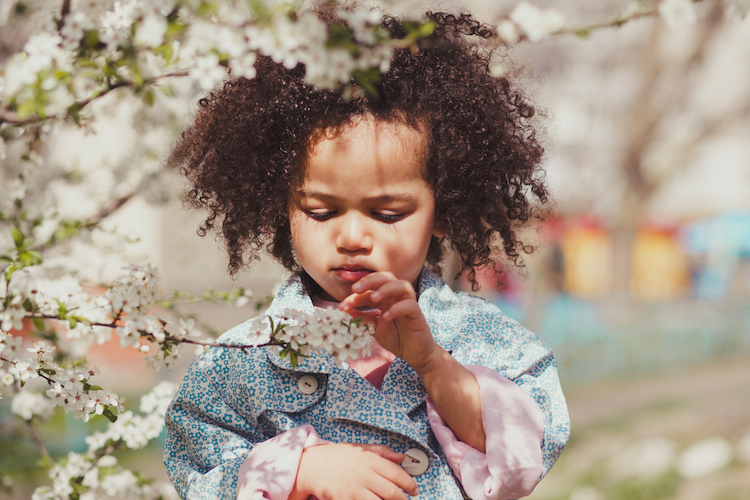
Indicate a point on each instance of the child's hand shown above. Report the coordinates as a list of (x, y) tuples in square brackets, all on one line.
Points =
[(401, 327), (348, 471)]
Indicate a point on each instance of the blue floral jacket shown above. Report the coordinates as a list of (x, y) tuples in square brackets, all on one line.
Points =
[(232, 399)]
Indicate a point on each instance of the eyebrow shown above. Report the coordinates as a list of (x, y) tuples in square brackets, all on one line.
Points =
[(382, 198)]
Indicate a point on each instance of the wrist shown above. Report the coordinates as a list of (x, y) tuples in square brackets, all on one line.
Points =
[(300, 491), (432, 361)]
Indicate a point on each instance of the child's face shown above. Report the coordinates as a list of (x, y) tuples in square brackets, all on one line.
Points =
[(363, 206)]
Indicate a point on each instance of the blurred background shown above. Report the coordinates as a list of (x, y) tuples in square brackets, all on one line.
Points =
[(640, 282)]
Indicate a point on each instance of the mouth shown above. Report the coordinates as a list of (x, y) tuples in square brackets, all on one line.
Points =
[(351, 273)]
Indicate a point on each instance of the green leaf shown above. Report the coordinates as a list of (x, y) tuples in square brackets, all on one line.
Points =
[(18, 237), (340, 36), (39, 324), (426, 29), (166, 51), (293, 359), (110, 416), (72, 322), (27, 305), (92, 38), (583, 33), (367, 79), (30, 258), (259, 10)]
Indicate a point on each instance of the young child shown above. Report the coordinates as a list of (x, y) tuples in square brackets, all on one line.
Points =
[(359, 198)]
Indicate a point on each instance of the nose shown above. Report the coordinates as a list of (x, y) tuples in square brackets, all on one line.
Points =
[(353, 235)]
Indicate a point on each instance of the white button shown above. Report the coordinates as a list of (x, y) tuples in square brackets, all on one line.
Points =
[(415, 462), (307, 384)]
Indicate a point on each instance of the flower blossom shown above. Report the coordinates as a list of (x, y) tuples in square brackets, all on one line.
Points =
[(27, 404), (677, 12), (536, 23), (328, 329)]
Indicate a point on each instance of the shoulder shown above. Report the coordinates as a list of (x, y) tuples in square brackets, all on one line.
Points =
[(475, 330)]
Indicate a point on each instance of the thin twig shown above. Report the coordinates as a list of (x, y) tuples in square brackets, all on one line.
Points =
[(35, 434)]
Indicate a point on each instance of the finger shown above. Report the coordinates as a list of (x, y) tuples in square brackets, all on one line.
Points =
[(384, 452), (373, 281), (397, 476), (356, 300), (394, 291), (385, 489), (401, 309)]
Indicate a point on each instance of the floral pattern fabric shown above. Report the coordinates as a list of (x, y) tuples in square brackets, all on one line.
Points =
[(232, 400)]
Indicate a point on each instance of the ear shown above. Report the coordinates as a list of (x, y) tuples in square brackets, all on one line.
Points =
[(439, 229)]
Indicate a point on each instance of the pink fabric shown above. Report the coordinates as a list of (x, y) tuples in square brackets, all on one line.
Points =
[(374, 367), (270, 469), (514, 429)]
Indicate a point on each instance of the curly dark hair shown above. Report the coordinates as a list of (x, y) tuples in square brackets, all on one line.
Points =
[(246, 150)]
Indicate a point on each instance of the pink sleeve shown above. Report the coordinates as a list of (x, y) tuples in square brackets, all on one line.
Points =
[(514, 427), (270, 469)]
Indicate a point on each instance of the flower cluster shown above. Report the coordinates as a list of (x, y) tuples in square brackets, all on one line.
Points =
[(68, 388), (300, 334), (138, 42), (95, 474), (531, 22)]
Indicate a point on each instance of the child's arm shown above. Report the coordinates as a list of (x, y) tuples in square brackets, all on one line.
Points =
[(403, 330), (490, 429)]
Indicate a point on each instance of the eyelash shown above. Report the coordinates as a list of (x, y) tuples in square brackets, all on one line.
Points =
[(386, 218)]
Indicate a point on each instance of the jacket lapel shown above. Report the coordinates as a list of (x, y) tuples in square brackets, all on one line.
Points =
[(351, 397)]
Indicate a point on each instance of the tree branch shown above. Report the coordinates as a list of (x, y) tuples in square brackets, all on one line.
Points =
[(11, 119), (35, 435)]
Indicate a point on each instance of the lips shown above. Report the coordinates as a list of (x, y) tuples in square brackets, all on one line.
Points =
[(351, 273)]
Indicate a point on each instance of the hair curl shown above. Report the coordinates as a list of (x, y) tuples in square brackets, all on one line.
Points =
[(245, 151)]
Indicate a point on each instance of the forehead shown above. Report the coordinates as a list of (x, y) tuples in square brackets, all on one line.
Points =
[(367, 149)]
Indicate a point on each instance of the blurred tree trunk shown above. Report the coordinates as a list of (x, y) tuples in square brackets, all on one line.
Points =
[(643, 123)]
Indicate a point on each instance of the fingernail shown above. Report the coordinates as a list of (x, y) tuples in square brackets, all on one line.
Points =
[(376, 296), (356, 287)]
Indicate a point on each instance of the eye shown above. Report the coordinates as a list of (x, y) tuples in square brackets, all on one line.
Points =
[(388, 218), (320, 216)]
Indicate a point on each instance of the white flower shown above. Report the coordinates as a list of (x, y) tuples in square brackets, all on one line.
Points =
[(28, 404), (119, 484), (25, 369), (207, 71), (158, 399), (58, 394), (74, 27), (736, 9), (508, 31), (244, 66), (12, 319), (362, 22), (42, 351), (498, 70), (6, 378), (677, 12), (187, 329), (150, 32), (535, 23)]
